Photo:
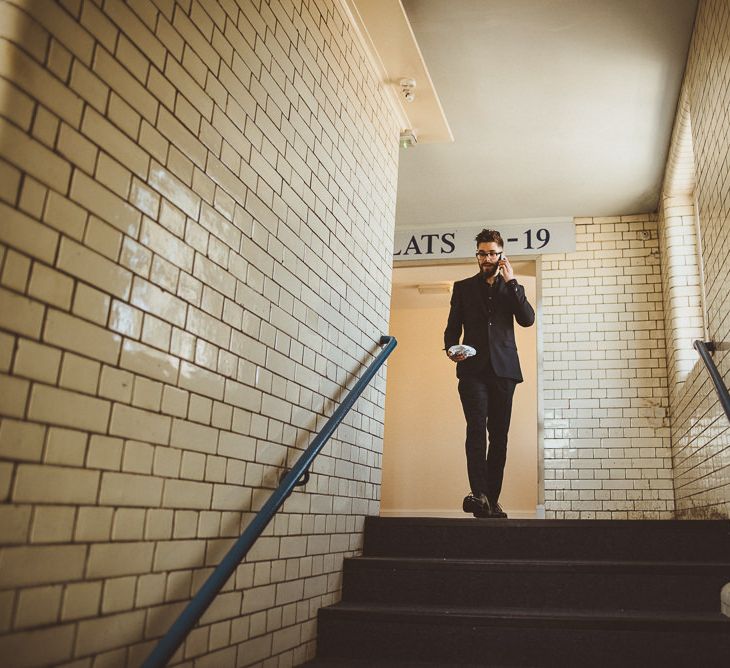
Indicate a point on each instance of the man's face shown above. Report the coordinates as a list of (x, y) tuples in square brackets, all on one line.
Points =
[(489, 262)]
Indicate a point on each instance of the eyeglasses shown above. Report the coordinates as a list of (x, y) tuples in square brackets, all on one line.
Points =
[(492, 255)]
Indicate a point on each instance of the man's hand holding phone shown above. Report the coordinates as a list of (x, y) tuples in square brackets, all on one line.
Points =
[(506, 269)]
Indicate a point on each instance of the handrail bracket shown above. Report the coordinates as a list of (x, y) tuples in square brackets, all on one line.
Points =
[(704, 348)]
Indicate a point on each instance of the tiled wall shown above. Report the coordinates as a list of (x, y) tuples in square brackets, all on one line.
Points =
[(196, 210), (700, 430), (606, 438), (684, 319), (680, 253)]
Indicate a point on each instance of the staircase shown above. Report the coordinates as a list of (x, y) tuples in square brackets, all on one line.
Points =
[(444, 592)]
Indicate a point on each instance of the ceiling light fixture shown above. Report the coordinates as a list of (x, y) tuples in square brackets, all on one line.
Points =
[(408, 138), (434, 289)]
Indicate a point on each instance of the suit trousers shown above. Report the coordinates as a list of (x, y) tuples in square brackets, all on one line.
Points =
[(487, 403)]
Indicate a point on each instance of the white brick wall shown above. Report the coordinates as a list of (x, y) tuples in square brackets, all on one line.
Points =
[(700, 430), (611, 390), (606, 440), (197, 201), (680, 251)]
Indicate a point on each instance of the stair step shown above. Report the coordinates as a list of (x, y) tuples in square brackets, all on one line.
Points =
[(679, 586), (381, 663), (611, 540), (543, 617), (443, 592), (521, 637)]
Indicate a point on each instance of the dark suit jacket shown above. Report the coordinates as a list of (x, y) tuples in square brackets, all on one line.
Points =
[(496, 334)]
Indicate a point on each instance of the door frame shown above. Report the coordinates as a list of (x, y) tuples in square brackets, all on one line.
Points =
[(539, 354)]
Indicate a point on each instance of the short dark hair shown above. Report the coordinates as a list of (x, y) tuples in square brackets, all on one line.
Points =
[(489, 236)]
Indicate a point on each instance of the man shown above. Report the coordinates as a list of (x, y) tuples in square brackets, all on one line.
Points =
[(485, 306)]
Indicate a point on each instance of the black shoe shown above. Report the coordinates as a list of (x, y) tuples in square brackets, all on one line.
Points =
[(475, 503), (497, 511)]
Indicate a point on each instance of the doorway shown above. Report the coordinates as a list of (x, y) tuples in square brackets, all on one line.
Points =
[(424, 465)]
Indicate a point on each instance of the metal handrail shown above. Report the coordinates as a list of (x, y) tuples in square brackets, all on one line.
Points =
[(704, 348), (179, 630)]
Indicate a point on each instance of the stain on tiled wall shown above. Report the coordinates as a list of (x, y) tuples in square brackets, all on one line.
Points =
[(196, 208), (606, 439), (700, 429)]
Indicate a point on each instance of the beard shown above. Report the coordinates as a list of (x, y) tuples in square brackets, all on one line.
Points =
[(489, 270)]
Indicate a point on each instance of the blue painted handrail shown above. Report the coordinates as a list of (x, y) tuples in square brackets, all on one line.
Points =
[(177, 633), (704, 349)]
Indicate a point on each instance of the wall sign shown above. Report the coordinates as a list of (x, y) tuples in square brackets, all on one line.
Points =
[(520, 238)]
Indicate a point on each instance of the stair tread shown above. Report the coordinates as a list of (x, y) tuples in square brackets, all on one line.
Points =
[(503, 613), (583, 524), (385, 663), (589, 564), (669, 541)]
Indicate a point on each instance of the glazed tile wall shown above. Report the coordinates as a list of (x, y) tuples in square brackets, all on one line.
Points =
[(196, 211), (680, 250), (606, 429), (700, 430)]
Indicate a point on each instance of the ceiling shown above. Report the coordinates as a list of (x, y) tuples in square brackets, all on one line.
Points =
[(558, 108)]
